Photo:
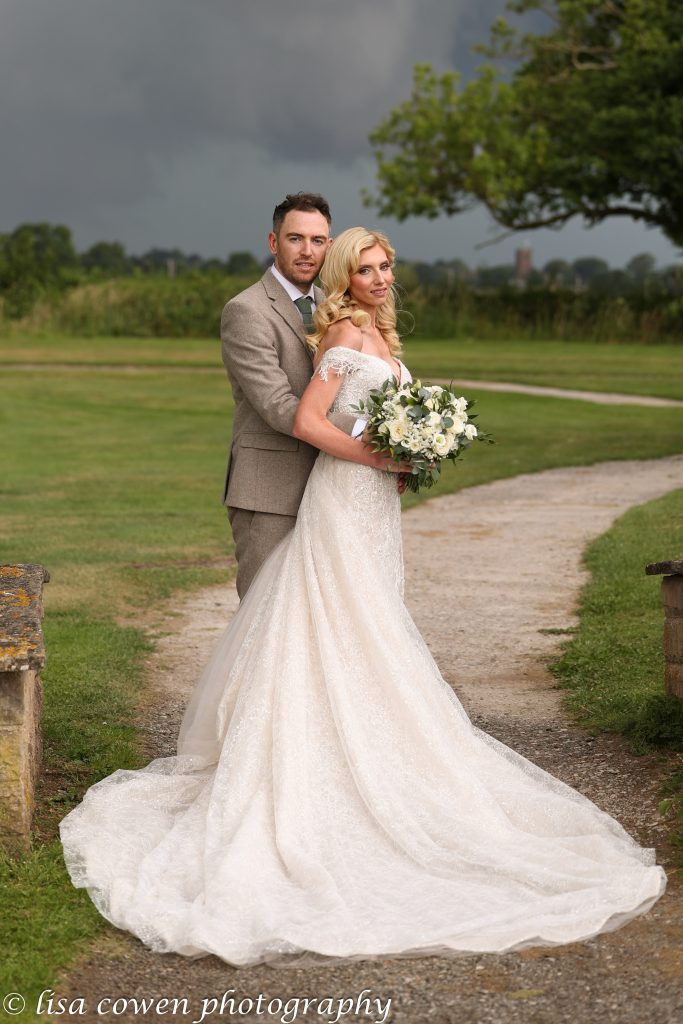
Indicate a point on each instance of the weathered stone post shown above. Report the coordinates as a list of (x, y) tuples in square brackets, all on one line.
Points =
[(22, 655), (672, 598)]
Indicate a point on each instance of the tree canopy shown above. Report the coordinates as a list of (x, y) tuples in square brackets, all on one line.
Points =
[(35, 257), (589, 123)]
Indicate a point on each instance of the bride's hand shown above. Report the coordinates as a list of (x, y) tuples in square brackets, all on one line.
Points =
[(383, 461)]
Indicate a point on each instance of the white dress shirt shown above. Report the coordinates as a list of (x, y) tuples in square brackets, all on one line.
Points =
[(292, 290)]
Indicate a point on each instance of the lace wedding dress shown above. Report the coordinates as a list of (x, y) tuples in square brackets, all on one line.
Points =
[(330, 798)]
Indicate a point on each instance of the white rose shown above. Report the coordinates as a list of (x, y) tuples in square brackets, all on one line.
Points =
[(441, 444), (433, 420), (397, 430), (458, 425), (470, 431)]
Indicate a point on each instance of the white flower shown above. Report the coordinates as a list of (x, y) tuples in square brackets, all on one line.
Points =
[(398, 429), (433, 420), (441, 444), (414, 444), (470, 431), (458, 425), (460, 405)]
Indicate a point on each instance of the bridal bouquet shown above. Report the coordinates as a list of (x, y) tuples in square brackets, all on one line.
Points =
[(422, 424)]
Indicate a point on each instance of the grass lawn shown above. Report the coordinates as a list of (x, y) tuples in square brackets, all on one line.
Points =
[(629, 369), (625, 369), (113, 480), (613, 668)]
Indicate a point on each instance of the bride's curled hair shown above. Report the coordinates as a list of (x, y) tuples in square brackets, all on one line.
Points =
[(344, 259)]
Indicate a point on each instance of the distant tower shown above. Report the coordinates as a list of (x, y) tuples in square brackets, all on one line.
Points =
[(523, 261)]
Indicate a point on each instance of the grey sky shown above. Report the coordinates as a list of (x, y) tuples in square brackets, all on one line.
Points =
[(182, 122)]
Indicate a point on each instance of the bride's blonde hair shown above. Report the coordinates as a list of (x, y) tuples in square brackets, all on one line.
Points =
[(343, 259)]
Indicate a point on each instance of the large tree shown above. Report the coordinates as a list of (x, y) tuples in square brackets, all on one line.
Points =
[(589, 122)]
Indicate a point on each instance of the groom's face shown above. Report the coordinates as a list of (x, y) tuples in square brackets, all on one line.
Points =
[(300, 246)]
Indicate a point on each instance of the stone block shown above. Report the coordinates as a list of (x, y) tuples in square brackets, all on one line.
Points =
[(22, 655), (673, 679), (21, 700), (672, 594), (673, 639)]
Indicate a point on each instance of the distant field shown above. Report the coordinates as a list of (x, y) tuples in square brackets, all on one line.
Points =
[(629, 369)]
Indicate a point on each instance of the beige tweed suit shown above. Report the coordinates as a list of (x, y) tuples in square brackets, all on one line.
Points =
[(269, 365)]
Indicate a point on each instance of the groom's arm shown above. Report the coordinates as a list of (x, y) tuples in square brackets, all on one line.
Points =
[(252, 361)]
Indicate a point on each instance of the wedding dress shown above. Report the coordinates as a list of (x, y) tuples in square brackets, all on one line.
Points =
[(330, 798)]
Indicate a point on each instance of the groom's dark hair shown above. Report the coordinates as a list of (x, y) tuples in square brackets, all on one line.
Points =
[(309, 202)]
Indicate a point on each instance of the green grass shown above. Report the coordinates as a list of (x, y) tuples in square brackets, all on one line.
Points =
[(113, 480), (198, 352), (626, 368), (45, 921), (91, 680), (613, 668)]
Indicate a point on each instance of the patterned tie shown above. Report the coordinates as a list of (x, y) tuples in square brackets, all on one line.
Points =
[(304, 305)]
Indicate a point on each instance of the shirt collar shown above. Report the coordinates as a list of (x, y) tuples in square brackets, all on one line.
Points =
[(291, 289)]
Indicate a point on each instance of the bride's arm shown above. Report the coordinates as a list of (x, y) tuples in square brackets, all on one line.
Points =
[(311, 423)]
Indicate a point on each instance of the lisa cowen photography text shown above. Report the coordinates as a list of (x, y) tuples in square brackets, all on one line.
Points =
[(421, 424)]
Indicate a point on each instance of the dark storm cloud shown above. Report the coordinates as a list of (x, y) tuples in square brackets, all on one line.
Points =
[(100, 95), (183, 122)]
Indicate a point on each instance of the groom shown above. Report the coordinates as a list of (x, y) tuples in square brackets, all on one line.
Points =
[(269, 365)]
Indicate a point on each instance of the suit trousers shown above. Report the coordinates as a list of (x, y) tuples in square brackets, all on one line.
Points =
[(255, 535)]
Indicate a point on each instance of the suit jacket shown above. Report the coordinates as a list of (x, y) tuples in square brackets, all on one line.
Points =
[(269, 365)]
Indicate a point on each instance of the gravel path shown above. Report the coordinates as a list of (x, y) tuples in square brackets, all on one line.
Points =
[(488, 571), (599, 397)]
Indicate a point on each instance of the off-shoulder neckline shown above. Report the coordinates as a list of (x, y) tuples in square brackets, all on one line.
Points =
[(368, 355)]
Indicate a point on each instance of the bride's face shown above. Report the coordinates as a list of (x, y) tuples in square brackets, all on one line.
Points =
[(370, 284)]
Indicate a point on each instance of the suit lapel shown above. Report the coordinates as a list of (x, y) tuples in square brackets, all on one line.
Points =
[(283, 305)]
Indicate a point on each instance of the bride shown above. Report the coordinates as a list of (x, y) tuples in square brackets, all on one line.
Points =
[(330, 798)]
